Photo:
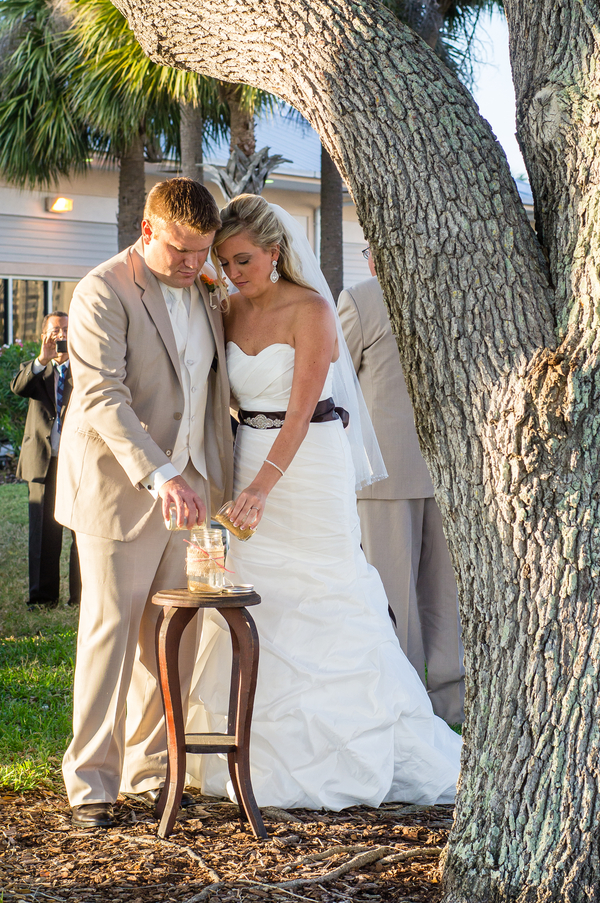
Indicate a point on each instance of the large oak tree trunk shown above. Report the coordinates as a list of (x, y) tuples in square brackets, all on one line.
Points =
[(500, 351), (132, 194)]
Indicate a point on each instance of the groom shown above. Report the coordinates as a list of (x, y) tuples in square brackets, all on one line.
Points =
[(148, 428)]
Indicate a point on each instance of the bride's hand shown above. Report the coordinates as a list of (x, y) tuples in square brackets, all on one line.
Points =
[(248, 508)]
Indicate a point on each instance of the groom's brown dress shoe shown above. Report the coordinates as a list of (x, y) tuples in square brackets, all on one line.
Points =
[(150, 798), (93, 815)]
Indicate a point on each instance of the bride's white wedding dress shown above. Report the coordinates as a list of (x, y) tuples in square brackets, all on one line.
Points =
[(340, 717)]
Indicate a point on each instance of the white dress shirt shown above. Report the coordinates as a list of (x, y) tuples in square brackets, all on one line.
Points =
[(196, 349)]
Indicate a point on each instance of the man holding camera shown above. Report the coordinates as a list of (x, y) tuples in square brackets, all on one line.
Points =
[(46, 382)]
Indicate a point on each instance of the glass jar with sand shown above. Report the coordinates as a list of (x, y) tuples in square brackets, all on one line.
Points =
[(205, 561), (222, 517)]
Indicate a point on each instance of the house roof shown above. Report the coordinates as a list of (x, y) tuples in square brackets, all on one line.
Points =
[(285, 132)]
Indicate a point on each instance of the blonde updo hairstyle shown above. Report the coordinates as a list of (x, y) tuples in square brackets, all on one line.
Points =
[(250, 213)]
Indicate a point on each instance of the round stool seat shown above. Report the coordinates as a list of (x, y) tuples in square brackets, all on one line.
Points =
[(182, 598)]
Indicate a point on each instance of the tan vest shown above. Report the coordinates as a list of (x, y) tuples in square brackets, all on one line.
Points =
[(196, 349)]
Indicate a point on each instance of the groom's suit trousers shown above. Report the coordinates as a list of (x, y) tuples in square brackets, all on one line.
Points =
[(116, 682)]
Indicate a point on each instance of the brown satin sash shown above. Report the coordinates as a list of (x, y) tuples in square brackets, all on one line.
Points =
[(273, 420)]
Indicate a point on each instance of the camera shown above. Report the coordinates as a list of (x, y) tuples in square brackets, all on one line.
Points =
[(61, 346)]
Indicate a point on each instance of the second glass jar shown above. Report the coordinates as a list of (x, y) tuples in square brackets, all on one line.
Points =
[(205, 561)]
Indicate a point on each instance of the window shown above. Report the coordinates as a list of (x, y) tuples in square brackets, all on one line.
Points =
[(62, 292), (3, 303), (28, 308), (25, 302)]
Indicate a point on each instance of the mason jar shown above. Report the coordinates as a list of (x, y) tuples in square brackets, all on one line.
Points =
[(205, 561), (222, 517), (171, 524)]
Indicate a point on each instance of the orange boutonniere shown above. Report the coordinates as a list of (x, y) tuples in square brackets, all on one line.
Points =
[(210, 284)]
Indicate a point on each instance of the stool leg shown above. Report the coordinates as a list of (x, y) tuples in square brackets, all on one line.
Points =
[(234, 695), (171, 624), (244, 638)]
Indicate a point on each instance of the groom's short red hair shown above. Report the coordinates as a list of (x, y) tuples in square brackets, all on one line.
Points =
[(184, 202)]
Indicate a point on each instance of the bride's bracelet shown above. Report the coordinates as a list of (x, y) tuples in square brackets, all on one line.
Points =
[(276, 466)]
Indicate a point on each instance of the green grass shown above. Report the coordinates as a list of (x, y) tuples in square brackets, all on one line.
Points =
[(37, 652), (36, 675)]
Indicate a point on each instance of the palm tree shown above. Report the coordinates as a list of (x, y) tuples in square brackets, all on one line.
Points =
[(447, 26), (242, 102), (134, 104), (73, 88), (191, 141), (41, 136)]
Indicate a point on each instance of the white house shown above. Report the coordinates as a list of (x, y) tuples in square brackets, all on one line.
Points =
[(44, 253)]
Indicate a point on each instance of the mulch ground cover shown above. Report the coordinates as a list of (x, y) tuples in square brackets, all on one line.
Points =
[(358, 855)]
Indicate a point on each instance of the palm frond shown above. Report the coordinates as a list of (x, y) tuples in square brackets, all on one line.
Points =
[(119, 88), (456, 20), (41, 135)]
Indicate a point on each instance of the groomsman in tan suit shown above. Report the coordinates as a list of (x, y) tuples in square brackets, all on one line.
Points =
[(148, 427), (400, 522)]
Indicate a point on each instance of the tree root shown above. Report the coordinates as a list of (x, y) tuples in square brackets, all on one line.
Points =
[(325, 854), (429, 852), (281, 815), (211, 889), (387, 855), (188, 850)]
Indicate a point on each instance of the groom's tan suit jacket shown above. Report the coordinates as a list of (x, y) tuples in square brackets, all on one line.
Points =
[(128, 401), (126, 408)]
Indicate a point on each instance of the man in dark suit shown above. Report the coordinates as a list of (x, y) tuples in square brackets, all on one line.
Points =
[(46, 382)]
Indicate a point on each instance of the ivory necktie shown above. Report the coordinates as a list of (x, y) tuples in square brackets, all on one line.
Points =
[(179, 318)]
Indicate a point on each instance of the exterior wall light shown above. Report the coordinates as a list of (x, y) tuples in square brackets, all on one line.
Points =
[(59, 205)]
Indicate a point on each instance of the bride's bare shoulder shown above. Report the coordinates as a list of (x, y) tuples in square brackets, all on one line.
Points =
[(312, 304), (312, 315)]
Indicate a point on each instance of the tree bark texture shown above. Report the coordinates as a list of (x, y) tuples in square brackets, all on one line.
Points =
[(332, 226), (132, 194), (500, 352), (191, 136)]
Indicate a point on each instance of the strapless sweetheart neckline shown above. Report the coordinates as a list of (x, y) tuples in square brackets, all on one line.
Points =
[(266, 348), (272, 345)]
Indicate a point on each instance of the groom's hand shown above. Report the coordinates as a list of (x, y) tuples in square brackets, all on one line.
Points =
[(188, 504)]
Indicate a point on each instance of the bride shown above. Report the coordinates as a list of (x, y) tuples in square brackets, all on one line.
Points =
[(340, 716)]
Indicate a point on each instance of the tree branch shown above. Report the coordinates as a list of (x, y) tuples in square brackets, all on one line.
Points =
[(388, 854)]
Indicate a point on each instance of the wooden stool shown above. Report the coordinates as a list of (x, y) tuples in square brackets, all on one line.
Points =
[(179, 607)]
